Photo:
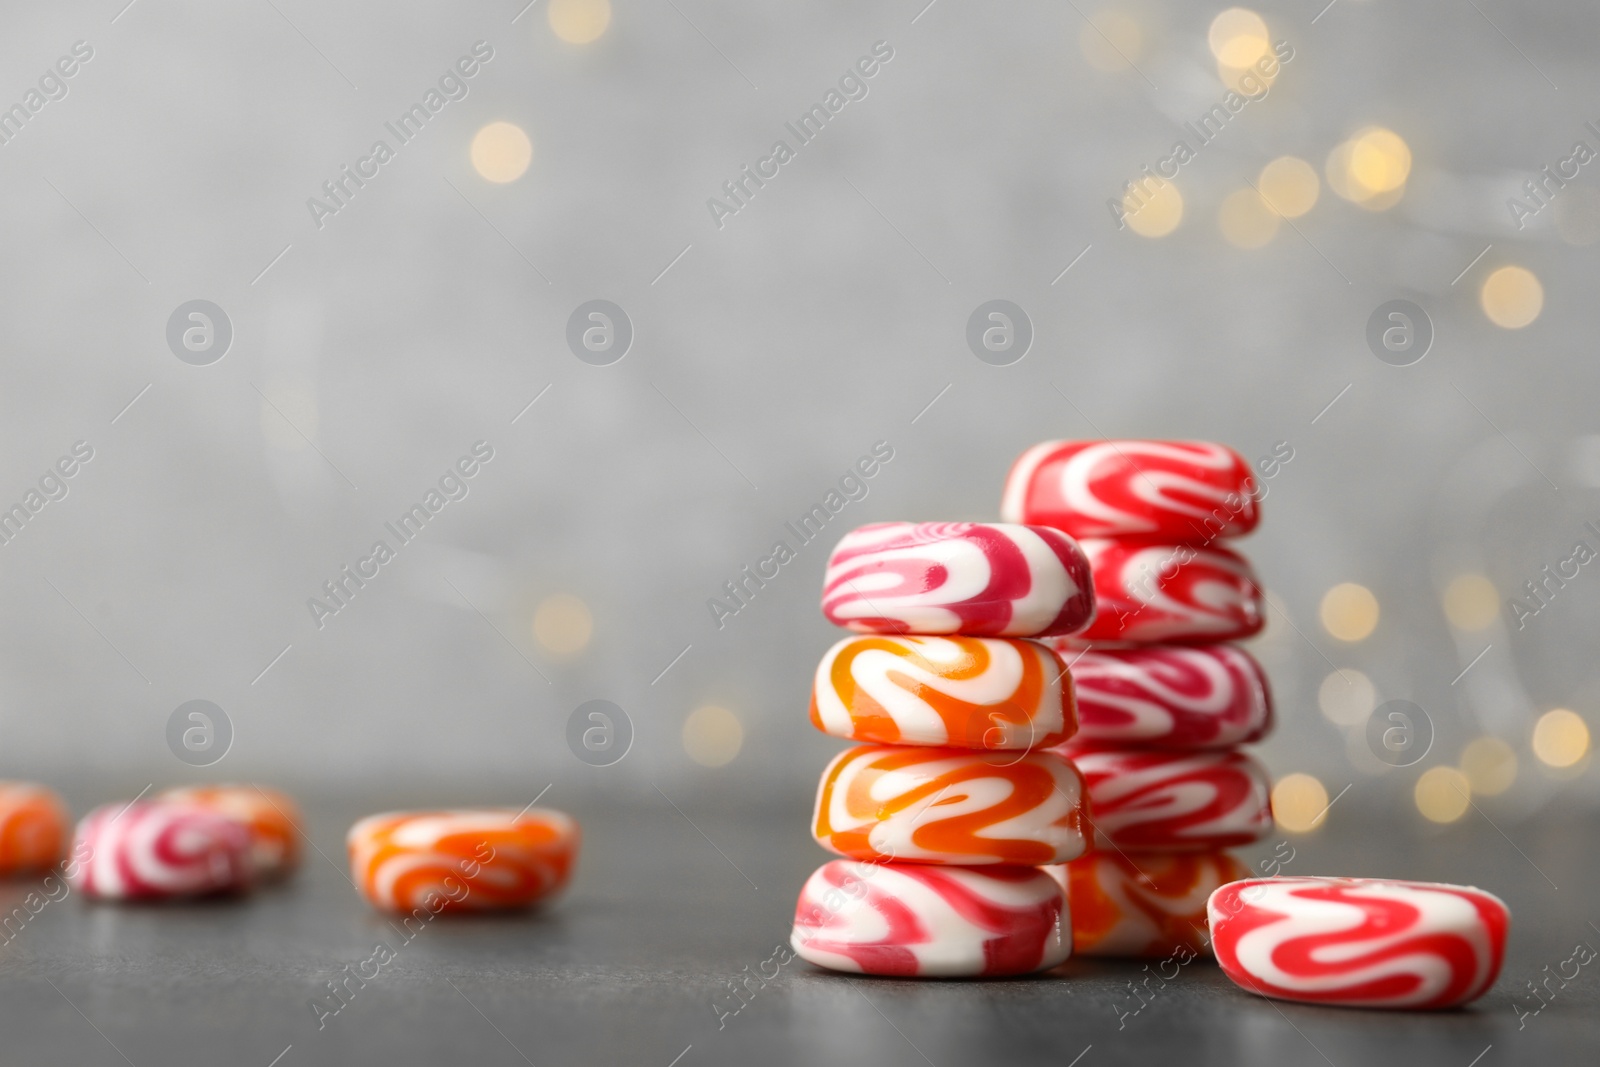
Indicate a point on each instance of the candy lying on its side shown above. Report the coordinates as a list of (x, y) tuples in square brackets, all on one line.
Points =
[(1146, 904), (155, 849), (966, 692), (462, 860), (914, 921), (1359, 941), (271, 817), (1150, 592), (33, 828), (1142, 800), (950, 806), (981, 579), (1193, 491), (1175, 696)]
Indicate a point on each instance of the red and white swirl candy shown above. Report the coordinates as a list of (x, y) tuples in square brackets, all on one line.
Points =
[(914, 921), (950, 805), (1144, 904), (980, 579), (1173, 801), (1156, 592), (154, 849), (1193, 491), (1359, 941), (990, 693), (1169, 696)]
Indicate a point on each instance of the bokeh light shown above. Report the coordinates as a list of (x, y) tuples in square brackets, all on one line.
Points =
[(1512, 297), (1371, 168), (1349, 612), (1289, 185), (562, 625), (1560, 738), (1471, 602), (579, 21), (1245, 219), (1346, 697), (1443, 794), (1111, 40), (1238, 37), (1490, 765), (501, 152), (712, 736), (1155, 211), (1299, 803)]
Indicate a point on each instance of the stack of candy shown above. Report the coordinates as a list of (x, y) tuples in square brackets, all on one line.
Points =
[(948, 809), (1162, 702)]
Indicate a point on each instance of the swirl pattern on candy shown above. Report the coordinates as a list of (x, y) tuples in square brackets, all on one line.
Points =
[(915, 921), (271, 817), (462, 860), (1193, 491), (153, 849), (1151, 592), (1173, 696), (1148, 904), (1359, 941), (966, 692), (33, 827), (1142, 800), (979, 579), (950, 806)]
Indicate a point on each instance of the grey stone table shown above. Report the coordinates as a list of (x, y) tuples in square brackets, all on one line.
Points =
[(633, 966)]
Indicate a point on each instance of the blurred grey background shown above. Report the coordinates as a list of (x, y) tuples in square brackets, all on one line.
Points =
[(374, 346)]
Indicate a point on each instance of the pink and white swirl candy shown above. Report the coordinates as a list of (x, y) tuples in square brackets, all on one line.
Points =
[(153, 849), (1159, 592), (1193, 491), (1174, 801), (913, 921), (1169, 696), (1363, 942), (980, 579)]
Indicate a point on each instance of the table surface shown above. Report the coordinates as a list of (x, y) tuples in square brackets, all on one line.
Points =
[(670, 906)]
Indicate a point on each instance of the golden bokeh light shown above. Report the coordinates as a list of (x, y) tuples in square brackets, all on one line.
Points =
[(1289, 185), (1560, 738), (1443, 794), (1346, 697), (562, 625), (1238, 37), (1246, 221), (1153, 210), (579, 21), (712, 736), (1490, 766), (1471, 602), (1512, 297), (1111, 41), (501, 152), (1299, 803), (1371, 168), (1349, 612)]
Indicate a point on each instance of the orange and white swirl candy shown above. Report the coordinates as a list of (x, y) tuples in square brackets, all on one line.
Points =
[(1146, 904), (462, 860), (965, 692), (158, 849), (33, 828), (271, 817), (950, 806)]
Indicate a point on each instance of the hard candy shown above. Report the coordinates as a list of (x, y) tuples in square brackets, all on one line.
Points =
[(1169, 696), (1157, 592), (271, 817), (33, 828), (1147, 904), (1144, 800), (156, 849)]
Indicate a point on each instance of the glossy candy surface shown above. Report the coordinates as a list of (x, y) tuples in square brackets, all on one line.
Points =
[(966, 692), (916, 921), (1359, 941), (1143, 800), (155, 849), (33, 828), (980, 579), (462, 860), (1169, 696), (1193, 491), (1155, 592), (950, 806), (1146, 904), (271, 817)]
